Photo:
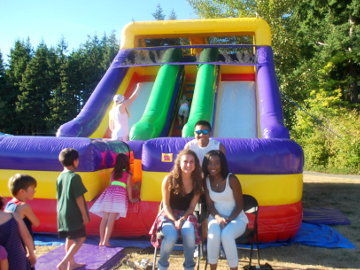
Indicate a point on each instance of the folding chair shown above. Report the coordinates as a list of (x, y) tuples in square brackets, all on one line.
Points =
[(251, 208), (250, 235), (179, 242)]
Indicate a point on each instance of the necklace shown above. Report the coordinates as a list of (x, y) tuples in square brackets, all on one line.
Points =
[(218, 184)]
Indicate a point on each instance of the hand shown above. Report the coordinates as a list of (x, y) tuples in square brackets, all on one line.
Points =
[(178, 223), (32, 259), (221, 220)]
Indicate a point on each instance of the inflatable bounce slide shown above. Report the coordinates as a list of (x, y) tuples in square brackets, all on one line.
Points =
[(224, 67)]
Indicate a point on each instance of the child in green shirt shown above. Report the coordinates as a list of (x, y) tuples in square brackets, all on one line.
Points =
[(72, 212)]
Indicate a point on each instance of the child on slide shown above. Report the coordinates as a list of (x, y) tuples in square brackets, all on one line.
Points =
[(113, 202), (183, 113)]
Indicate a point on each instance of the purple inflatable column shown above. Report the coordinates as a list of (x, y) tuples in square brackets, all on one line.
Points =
[(271, 117)]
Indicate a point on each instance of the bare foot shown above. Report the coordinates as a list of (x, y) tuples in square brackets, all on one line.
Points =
[(76, 265), (62, 266), (107, 245)]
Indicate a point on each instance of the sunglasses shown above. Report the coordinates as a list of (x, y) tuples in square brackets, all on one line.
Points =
[(205, 132)]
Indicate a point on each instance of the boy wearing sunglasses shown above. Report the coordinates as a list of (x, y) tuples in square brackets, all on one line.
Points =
[(202, 142), (201, 145)]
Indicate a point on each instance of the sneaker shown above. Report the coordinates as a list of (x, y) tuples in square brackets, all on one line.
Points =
[(196, 253), (202, 251)]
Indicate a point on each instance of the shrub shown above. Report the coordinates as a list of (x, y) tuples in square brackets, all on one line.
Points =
[(329, 134)]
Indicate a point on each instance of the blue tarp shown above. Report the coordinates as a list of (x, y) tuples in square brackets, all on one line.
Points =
[(320, 235), (325, 215)]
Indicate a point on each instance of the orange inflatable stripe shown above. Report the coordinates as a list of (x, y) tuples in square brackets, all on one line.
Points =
[(238, 77)]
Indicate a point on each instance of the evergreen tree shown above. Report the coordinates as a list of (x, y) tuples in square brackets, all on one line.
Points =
[(35, 91), (19, 58), (89, 70), (335, 52), (4, 106), (159, 13), (63, 102), (172, 15), (110, 47)]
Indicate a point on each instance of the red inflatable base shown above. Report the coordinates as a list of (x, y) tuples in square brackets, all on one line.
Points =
[(276, 223)]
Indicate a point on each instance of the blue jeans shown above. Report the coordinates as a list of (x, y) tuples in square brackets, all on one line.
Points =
[(170, 238)]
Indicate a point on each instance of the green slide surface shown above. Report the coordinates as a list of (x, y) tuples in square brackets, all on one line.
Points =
[(157, 108), (202, 105)]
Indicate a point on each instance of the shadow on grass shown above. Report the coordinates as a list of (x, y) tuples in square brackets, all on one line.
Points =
[(342, 196)]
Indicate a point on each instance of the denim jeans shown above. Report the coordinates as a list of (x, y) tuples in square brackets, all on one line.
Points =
[(170, 238), (226, 236)]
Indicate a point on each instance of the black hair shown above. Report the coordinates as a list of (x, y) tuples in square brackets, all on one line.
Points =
[(20, 181), (223, 162), (203, 123), (122, 164), (67, 157)]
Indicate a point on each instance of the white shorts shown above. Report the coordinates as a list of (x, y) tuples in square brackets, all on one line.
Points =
[(184, 110)]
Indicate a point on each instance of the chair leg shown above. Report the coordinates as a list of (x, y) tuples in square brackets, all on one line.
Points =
[(251, 253), (154, 259), (258, 253), (198, 257), (206, 257)]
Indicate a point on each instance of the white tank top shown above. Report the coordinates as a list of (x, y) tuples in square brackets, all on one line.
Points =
[(121, 128), (224, 202), (201, 151)]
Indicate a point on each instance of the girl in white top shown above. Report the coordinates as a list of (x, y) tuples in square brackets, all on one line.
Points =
[(227, 220), (119, 115)]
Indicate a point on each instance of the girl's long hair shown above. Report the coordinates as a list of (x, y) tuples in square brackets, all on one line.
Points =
[(122, 164), (176, 184)]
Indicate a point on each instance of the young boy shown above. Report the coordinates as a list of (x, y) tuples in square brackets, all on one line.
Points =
[(22, 187), (202, 142), (71, 208)]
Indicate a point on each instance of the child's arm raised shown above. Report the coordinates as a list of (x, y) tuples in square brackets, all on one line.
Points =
[(80, 201)]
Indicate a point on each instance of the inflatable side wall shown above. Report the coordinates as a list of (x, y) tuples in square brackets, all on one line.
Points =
[(268, 169)]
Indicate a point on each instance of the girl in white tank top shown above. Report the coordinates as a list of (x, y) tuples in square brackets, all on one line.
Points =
[(224, 199)]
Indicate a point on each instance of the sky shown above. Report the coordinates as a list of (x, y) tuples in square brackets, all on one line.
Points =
[(74, 20)]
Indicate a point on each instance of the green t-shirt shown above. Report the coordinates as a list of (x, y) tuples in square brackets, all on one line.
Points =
[(69, 186)]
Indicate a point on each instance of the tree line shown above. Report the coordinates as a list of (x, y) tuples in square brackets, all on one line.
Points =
[(316, 46), (42, 88)]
